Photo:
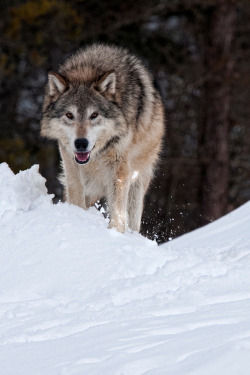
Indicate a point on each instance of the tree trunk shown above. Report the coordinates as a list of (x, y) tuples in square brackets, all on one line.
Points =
[(218, 70)]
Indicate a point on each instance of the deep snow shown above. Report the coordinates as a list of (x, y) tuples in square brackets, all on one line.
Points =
[(77, 298)]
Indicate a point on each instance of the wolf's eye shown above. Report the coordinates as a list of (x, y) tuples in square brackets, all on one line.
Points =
[(69, 115), (94, 115)]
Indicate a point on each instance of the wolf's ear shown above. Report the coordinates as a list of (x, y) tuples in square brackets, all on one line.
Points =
[(106, 83), (56, 84)]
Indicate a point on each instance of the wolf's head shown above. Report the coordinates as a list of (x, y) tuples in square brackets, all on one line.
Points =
[(82, 116)]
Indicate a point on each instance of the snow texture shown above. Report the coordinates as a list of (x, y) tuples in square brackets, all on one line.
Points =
[(77, 298)]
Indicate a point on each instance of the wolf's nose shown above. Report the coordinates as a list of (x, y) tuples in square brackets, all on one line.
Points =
[(81, 144)]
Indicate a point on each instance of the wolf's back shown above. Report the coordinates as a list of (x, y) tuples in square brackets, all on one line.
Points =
[(97, 59)]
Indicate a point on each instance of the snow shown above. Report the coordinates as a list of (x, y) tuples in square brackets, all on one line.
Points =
[(78, 298)]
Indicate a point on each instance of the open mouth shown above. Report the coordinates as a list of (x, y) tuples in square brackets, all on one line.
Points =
[(82, 157)]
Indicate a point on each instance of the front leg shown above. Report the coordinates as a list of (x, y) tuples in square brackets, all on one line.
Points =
[(118, 197), (135, 205), (137, 191), (73, 189)]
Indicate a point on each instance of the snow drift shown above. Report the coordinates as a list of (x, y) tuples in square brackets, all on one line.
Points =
[(77, 298)]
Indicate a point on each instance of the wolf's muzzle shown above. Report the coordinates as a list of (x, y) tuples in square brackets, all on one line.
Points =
[(81, 155)]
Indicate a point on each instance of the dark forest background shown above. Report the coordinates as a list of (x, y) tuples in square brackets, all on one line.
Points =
[(198, 52)]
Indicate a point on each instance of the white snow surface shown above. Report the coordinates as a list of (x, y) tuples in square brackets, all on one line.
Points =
[(78, 298)]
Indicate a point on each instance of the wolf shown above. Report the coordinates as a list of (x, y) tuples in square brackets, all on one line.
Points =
[(108, 118)]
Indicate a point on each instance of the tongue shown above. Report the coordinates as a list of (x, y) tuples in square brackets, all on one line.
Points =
[(82, 156)]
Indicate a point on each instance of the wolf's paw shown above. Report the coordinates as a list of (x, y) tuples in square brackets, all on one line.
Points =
[(117, 225)]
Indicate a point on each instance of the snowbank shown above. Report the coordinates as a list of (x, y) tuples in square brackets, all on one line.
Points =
[(77, 298)]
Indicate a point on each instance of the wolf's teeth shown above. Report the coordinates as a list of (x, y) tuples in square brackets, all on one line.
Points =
[(82, 161)]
